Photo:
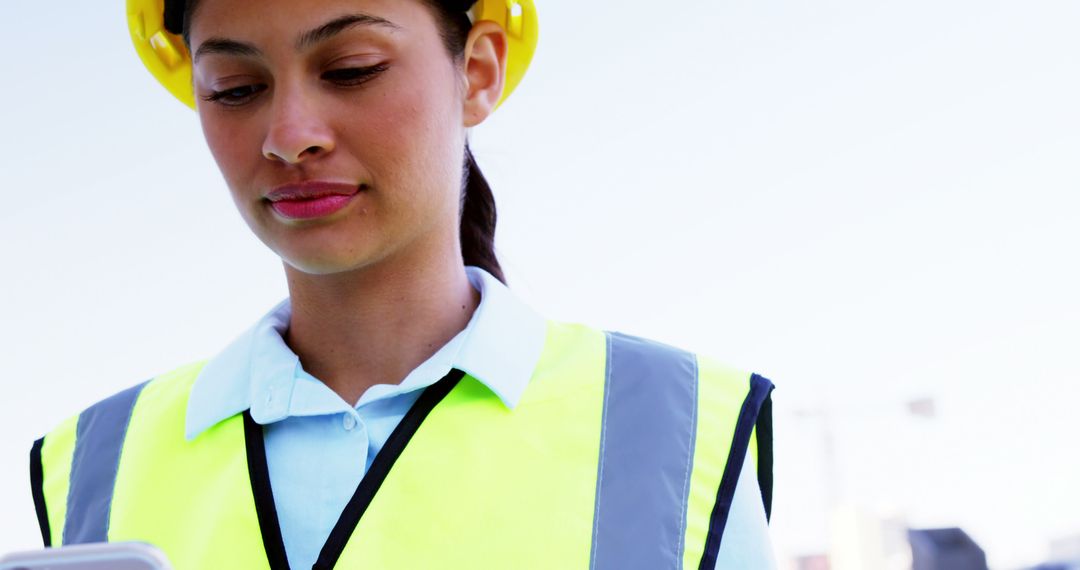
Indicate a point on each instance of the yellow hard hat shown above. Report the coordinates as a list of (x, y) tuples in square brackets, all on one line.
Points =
[(163, 52)]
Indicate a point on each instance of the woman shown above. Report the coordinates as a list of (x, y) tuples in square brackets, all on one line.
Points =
[(402, 408)]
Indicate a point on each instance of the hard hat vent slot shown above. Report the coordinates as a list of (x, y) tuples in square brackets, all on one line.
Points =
[(514, 18), (138, 25), (166, 50)]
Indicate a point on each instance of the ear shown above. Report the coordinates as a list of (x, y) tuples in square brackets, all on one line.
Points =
[(485, 71)]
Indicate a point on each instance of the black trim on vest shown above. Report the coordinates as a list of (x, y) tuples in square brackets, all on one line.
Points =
[(380, 468), (760, 388), (273, 543), (765, 455), (37, 488)]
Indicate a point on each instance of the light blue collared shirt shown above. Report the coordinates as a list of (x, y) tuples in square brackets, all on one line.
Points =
[(306, 423)]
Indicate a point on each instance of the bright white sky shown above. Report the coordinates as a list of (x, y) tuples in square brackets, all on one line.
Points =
[(865, 201)]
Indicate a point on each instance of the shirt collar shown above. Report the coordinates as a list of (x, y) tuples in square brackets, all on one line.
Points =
[(499, 347)]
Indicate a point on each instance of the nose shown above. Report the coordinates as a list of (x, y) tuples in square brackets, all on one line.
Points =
[(297, 130)]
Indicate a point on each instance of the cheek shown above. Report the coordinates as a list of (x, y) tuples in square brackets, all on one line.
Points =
[(235, 146), (412, 132), (408, 120)]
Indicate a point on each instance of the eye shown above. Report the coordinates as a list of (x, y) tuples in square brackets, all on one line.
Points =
[(235, 96), (349, 76)]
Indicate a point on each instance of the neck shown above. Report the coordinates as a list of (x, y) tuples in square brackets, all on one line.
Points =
[(376, 324)]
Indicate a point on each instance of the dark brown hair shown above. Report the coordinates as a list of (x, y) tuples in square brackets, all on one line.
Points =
[(477, 212), (477, 201)]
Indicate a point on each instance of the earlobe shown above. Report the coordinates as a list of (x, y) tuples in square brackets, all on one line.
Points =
[(485, 71)]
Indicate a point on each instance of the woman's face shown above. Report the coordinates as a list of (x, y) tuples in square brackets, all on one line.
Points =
[(338, 125)]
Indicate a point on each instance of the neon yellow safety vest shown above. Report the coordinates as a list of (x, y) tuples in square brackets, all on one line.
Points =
[(623, 453)]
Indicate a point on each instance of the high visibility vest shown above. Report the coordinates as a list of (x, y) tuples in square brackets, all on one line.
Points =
[(622, 453)]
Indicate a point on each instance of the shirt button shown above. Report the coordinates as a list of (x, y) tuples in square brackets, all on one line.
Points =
[(349, 422)]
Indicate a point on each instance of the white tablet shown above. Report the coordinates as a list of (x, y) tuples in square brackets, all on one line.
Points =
[(111, 556)]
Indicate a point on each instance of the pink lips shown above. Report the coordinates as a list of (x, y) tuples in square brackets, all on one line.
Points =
[(311, 199)]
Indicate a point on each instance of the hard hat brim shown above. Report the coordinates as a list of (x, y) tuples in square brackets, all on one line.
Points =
[(156, 26)]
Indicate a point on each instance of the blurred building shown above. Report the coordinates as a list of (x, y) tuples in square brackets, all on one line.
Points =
[(812, 562), (1067, 548), (862, 540), (1064, 555), (1057, 566), (945, 549)]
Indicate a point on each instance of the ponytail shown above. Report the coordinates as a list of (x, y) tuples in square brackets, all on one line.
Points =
[(478, 220)]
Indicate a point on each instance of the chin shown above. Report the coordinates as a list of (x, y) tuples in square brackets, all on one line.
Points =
[(325, 249), (325, 263)]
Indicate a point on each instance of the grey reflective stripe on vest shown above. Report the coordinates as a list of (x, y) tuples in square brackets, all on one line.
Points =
[(646, 447), (99, 438)]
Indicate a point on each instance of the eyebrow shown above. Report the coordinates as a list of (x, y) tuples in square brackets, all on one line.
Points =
[(338, 25), (307, 39), (224, 46)]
